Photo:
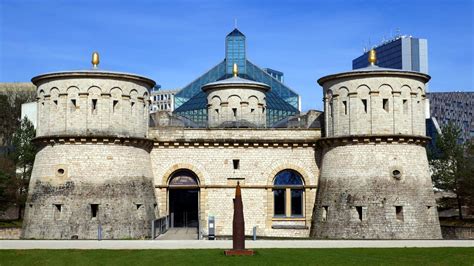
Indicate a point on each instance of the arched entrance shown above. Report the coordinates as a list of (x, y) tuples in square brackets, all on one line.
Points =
[(183, 199)]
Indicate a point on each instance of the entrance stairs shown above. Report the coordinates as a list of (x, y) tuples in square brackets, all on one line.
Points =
[(180, 233)]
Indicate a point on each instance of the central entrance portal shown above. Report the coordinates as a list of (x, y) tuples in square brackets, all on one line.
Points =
[(183, 195), (184, 207)]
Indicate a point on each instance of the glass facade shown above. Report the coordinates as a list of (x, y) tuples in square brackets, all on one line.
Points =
[(404, 52), (191, 101)]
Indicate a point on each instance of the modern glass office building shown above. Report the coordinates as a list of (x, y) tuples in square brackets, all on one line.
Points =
[(191, 101), (402, 52)]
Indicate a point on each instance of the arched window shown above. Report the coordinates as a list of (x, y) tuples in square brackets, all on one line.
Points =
[(288, 194)]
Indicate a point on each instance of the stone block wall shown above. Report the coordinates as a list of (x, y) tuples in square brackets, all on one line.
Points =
[(259, 162), (248, 104), (376, 190), (83, 103), (371, 105), (77, 184)]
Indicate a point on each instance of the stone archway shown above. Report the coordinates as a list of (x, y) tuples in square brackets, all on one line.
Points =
[(183, 199)]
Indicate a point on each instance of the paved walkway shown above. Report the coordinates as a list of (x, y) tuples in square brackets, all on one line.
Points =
[(179, 234), (225, 244)]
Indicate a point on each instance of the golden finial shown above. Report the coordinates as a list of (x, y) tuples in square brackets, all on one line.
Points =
[(95, 59), (372, 57), (235, 70)]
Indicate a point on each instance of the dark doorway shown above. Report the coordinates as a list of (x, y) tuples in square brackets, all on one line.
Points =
[(184, 199), (184, 207)]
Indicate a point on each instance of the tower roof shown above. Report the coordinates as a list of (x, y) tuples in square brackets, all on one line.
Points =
[(235, 32)]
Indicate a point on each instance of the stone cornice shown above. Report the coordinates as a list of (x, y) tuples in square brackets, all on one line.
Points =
[(245, 143), (104, 140), (373, 139)]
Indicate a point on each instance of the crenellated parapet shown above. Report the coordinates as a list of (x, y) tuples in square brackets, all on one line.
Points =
[(92, 103)]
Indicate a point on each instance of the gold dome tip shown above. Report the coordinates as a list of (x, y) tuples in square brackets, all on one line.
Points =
[(372, 57), (95, 59), (235, 70)]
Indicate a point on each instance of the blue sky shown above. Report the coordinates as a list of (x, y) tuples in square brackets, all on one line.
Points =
[(173, 42)]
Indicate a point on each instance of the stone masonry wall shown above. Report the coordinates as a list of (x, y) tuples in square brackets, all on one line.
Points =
[(258, 165), (69, 179), (374, 106), (361, 194), (92, 106)]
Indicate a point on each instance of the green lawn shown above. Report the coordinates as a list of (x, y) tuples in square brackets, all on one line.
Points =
[(393, 256)]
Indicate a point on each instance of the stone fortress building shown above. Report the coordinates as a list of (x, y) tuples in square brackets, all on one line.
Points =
[(362, 174)]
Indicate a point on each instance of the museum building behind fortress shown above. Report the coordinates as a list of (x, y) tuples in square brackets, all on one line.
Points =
[(357, 171)]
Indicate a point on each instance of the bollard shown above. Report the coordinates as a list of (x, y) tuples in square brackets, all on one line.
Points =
[(254, 233), (99, 232)]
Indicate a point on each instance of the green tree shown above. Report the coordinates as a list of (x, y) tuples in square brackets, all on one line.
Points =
[(23, 157), (452, 165)]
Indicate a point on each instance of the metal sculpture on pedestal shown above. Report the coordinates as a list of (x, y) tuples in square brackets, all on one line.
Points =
[(238, 228)]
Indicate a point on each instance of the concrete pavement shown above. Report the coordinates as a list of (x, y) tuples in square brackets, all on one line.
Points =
[(225, 244)]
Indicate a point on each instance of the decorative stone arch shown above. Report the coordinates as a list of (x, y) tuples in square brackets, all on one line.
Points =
[(182, 166), (216, 101), (288, 166), (94, 90)]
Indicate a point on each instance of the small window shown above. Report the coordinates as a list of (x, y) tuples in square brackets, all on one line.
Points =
[(364, 103), (385, 105), (359, 212), (344, 105), (131, 105), (61, 171), (94, 210), (405, 106), (217, 111), (324, 216), (399, 212), (234, 110), (236, 164), (252, 110), (263, 110), (138, 206), (57, 211), (74, 104), (94, 106), (56, 103), (114, 105)]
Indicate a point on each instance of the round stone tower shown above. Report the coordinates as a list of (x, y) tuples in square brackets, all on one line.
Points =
[(374, 181), (93, 168), (236, 102)]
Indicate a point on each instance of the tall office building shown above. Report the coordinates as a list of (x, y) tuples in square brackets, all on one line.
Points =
[(402, 52), (191, 101), (455, 107)]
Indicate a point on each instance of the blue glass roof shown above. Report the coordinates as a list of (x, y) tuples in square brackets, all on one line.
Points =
[(235, 32), (191, 101)]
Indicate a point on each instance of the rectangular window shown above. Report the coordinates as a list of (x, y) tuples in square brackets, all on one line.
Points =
[(399, 212), (94, 106), (74, 104), (405, 106), (234, 110), (296, 202), (324, 216), (94, 210), (344, 105), (236, 164), (57, 211), (364, 102), (132, 104), (279, 202), (114, 105), (359, 212), (385, 104)]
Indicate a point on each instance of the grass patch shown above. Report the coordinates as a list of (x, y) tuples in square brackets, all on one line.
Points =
[(11, 224), (361, 256)]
